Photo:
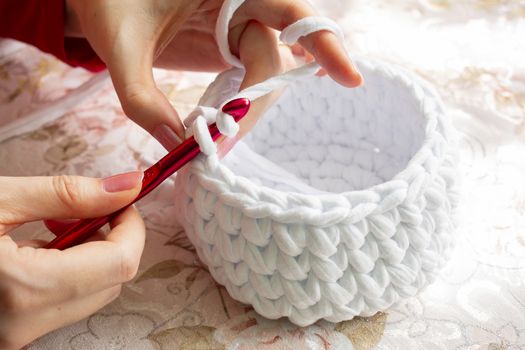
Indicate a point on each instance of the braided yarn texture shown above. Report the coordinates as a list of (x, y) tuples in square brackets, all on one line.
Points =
[(360, 214)]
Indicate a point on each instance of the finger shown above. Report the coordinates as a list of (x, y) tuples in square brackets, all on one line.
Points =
[(142, 101), (131, 36), (322, 72), (62, 197), (298, 50), (262, 57), (97, 265), (308, 57), (331, 55), (327, 49)]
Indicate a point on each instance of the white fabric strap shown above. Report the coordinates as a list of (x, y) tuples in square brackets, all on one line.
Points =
[(279, 81), (303, 27), (222, 29), (225, 122)]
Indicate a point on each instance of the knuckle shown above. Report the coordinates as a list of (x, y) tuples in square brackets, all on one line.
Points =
[(256, 28), (13, 302), (67, 191), (129, 265), (73, 292), (135, 98)]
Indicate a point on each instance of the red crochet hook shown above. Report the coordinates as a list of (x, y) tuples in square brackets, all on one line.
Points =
[(153, 176)]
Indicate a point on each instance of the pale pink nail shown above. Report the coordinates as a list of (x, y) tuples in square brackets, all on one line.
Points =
[(122, 182), (167, 137)]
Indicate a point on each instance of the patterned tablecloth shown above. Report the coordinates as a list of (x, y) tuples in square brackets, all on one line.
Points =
[(472, 50)]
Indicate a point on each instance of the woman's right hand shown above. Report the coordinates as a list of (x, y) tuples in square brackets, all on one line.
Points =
[(42, 290), (133, 36)]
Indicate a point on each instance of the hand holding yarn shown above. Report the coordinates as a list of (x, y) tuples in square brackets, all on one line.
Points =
[(133, 36), (261, 92)]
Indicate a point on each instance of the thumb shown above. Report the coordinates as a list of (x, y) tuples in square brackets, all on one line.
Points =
[(64, 197), (132, 75)]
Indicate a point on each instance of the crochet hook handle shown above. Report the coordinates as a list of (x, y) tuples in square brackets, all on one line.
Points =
[(153, 177)]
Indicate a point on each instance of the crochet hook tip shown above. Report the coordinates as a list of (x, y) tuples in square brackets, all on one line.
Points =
[(237, 108)]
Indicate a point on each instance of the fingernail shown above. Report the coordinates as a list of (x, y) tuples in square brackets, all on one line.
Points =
[(167, 137), (122, 182)]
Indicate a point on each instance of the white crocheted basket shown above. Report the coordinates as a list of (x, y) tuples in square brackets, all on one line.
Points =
[(339, 203)]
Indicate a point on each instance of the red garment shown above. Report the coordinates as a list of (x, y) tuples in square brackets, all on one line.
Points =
[(41, 23)]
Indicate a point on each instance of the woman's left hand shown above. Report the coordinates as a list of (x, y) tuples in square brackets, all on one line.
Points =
[(133, 36)]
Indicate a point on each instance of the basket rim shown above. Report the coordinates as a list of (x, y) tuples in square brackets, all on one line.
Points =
[(435, 124)]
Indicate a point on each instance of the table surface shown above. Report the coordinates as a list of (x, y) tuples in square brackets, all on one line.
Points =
[(470, 50)]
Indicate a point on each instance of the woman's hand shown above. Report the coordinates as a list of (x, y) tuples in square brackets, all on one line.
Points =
[(263, 58), (42, 290), (132, 36)]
